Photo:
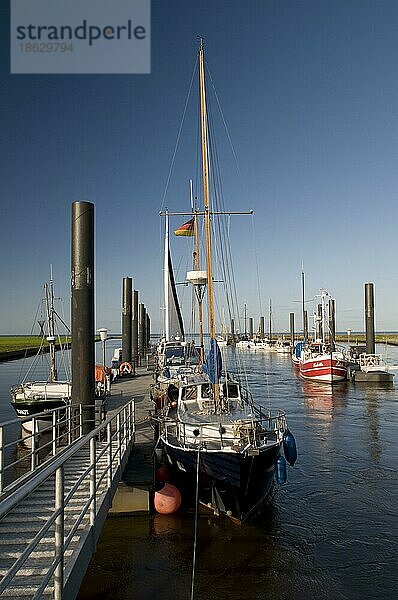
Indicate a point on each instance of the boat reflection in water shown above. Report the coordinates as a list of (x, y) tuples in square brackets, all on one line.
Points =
[(323, 399)]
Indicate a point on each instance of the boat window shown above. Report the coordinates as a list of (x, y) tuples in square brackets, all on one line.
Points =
[(192, 355), (190, 392), (179, 355), (174, 357), (205, 390), (232, 392)]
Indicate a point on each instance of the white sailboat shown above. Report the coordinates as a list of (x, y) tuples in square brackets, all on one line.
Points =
[(33, 397)]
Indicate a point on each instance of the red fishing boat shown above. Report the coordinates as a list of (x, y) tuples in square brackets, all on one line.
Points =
[(319, 363), (320, 360)]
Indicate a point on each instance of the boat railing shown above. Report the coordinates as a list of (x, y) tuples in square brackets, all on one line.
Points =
[(105, 446), (371, 360), (22, 452), (251, 431), (340, 348), (46, 392)]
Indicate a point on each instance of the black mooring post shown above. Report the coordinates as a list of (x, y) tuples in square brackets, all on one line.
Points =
[(251, 328), (127, 319), (148, 331), (292, 329), (262, 327), (305, 316), (319, 323), (233, 331), (369, 318), (135, 327), (332, 324), (144, 347), (141, 330), (82, 318)]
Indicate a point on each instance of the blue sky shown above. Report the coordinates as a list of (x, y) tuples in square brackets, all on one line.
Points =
[(309, 90)]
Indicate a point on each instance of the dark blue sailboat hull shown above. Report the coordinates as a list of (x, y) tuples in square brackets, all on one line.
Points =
[(236, 484)]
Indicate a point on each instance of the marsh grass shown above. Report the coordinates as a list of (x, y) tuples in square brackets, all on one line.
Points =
[(13, 343)]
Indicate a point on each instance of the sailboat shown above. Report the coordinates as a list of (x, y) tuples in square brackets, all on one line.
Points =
[(30, 398), (214, 436)]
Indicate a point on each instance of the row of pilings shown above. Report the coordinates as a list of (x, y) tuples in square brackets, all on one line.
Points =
[(135, 320), (136, 325), (369, 322)]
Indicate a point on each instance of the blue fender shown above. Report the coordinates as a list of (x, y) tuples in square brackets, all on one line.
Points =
[(289, 447), (281, 476)]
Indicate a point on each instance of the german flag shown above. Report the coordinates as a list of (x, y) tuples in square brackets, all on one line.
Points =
[(187, 229)]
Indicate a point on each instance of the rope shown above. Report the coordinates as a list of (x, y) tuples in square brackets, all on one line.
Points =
[(195, 538), (178, 136), (257, 269)]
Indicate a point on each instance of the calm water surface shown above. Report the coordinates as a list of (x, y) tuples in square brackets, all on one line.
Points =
[(330, 533)]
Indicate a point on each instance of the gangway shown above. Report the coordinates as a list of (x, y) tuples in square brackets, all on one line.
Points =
[(51, 517)]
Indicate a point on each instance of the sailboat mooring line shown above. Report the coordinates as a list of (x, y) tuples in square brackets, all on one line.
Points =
[(195, 537)]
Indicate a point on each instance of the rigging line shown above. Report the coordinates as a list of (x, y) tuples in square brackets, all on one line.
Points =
[(198, 156), (35, 360), (218, 204), (62, 321), (257, 269), (195, 538), (219, 182), (39, 307), (224, 250), (226, 127), (62, 348), (178, 136)]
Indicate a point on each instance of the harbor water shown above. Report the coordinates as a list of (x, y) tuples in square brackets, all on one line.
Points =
[(331, 532)]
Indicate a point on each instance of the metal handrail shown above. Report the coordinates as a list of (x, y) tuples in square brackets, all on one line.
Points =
[(65, 425), (120, 432)]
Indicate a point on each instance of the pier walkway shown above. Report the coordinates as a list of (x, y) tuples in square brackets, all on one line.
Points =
[(52, 515)]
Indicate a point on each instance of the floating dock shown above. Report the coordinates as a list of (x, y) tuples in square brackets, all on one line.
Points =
[(133, 494)]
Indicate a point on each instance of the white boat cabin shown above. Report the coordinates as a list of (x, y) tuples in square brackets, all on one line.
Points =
[(197, 396)]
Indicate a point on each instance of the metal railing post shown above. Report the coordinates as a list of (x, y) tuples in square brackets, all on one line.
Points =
[(128, 421), (80, 420), (69, 418), (93, 481), (109, 442), (125, 432), (54, 433), (1, 457), (34, 444), (59, 533), (119, 437)]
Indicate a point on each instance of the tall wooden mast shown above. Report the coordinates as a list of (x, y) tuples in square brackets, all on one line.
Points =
[(205, 171), (198, 290)]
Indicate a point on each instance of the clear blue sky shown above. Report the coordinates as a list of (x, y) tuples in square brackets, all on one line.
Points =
[(309, 90)]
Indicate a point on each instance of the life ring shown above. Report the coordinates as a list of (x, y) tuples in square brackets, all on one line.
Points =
[(125, 369)]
